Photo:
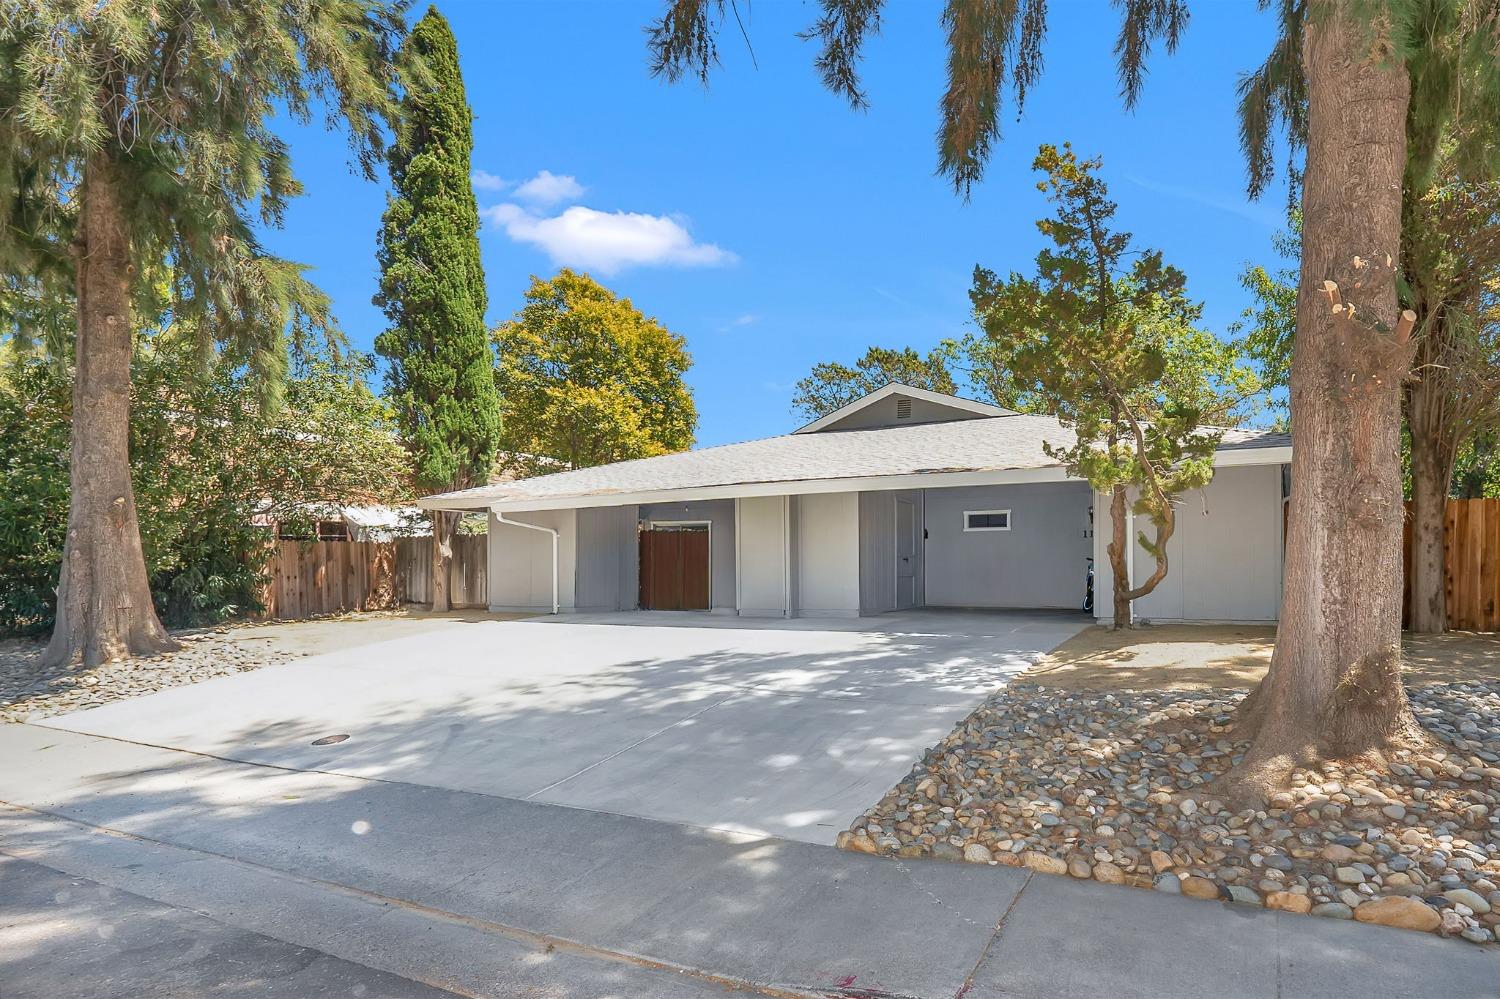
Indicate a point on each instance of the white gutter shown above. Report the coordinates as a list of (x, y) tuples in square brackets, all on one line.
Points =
[(500, 519)]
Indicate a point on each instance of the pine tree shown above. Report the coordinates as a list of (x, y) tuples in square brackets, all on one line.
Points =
[(135, 151), (441, 379)]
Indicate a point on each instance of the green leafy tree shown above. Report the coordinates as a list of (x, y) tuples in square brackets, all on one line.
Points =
[(136, 134), (1451, 266), (1104, 335), (831, 386), (1341, 71), (441, 377), (1267, 327), (587, 379), (208, 464)]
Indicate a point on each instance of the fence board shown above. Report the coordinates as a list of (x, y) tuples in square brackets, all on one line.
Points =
[(1471, 584), (324, 577)]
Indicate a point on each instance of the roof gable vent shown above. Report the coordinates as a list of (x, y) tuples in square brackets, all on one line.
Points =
[(903, 408)]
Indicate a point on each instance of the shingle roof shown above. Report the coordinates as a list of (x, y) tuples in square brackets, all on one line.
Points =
[(989, 444)]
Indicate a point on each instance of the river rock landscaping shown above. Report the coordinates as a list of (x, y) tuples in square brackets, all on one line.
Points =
[(29, 689), (1117, 786)]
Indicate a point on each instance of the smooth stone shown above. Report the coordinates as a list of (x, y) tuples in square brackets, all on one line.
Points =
[(1289, 901), (1108, 873), (1080, 868), (1043, 863), (1334, 853), (1243, 895), (1349, 876), (946, 851), (978, 853), (1196, 887), (1400, 912), (1333, 910), (1463, 896), (1168, 883)]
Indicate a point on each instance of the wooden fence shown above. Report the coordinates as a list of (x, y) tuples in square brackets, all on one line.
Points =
[(305, 579), (467, 571), (1471, 537)]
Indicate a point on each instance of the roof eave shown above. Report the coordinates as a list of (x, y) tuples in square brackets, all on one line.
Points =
[(1235, 457)]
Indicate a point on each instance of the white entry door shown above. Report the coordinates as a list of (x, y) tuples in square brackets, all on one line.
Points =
[(906, 554)]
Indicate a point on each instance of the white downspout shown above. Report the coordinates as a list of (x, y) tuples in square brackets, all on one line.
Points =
[(500, 519)]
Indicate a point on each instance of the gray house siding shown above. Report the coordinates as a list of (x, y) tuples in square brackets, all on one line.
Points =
[(1224, 560), (607, 555), (883, 414), (1041, 562)]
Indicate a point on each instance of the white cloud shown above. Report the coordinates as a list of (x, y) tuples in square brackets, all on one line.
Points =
[(548, 188), (483, 180), (608, 242), (738, 322)]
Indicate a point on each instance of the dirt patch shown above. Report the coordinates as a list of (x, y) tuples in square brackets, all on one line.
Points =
[(1232, 657)]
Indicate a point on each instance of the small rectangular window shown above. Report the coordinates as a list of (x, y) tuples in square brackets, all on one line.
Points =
[(986, 520)]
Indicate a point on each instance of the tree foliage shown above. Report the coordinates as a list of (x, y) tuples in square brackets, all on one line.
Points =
[(585, 379), (441, 376), (207, 463), (994, 48), (1105, 336), (179, 98), (831, 385), (1267, 328)]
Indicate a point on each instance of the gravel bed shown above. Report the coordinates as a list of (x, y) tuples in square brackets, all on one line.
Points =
[(1117, 787), (29, 690)]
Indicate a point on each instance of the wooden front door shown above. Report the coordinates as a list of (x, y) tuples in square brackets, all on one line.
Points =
[(674, 568)]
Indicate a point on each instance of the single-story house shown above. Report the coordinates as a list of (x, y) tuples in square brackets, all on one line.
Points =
[(902, 499)]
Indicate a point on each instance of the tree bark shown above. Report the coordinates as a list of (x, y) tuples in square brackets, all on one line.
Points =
[(1431, 474), (104, 608), (1119, 558), (1334, 687), (443, 524)]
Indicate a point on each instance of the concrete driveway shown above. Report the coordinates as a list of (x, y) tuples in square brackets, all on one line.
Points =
[(782, 728)]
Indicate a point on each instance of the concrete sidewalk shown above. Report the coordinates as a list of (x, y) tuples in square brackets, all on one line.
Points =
[(484, 895)]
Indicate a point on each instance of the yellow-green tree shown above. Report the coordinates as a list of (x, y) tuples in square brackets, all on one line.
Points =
[(587, 378)]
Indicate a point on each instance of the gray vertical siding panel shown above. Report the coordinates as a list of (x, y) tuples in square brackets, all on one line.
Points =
[(877, 553)]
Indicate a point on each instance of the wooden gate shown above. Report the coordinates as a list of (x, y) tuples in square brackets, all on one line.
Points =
[(674, 568)]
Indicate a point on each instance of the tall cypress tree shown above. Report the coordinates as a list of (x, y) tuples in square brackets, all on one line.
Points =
[(441, 377)]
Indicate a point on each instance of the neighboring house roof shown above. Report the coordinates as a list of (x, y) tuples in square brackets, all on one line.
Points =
[(960, 408), (987, 450)]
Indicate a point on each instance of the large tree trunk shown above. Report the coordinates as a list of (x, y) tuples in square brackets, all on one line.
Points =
[(1334, 687), (443, 524), (1431, 474), (104, 607)]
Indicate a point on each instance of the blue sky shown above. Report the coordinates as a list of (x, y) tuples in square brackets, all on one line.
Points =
[(763, 219)]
